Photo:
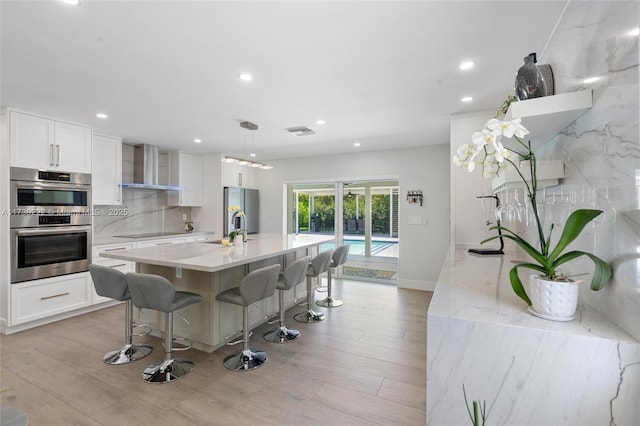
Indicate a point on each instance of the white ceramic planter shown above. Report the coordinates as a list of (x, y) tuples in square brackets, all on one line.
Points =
[(553, 300)]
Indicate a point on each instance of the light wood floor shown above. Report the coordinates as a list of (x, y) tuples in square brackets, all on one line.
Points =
[(365, 364)]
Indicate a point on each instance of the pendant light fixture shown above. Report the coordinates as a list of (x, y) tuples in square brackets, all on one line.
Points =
[(247, 125)]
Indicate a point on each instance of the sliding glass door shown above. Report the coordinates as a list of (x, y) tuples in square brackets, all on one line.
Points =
[(363, 214)]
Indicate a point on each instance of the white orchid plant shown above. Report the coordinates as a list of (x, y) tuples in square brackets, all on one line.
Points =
[(488, 151)]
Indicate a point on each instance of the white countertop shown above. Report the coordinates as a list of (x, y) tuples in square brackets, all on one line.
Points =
[(477, 288), (208, 257), (119, 239)]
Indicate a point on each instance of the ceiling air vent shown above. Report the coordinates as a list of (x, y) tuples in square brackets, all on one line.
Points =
[(300, 130)]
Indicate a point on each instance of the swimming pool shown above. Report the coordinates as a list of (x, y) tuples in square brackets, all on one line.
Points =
[(357, 246)]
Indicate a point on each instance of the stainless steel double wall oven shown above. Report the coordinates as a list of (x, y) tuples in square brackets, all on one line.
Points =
[(50, 223)]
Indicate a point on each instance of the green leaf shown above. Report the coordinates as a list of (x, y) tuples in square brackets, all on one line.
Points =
[(572, 229), (535, 254), (516, 284), (601, 274)]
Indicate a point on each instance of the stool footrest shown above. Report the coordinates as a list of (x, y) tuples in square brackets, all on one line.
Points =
[(272, 318), (235, 337), (147, 327), (184, 347)]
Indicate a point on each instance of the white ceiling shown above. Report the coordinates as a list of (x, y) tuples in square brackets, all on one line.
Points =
[(382, 73)]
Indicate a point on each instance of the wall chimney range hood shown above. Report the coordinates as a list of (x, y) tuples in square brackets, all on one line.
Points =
[(145, 169)]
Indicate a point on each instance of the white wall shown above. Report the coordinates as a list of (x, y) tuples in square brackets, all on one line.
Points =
[(468, 224), (422, 247)]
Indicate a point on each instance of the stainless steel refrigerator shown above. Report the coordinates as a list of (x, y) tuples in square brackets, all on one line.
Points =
[(248, 201)]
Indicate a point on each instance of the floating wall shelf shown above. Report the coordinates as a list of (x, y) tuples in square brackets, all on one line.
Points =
[(545, 117), (549, 174)]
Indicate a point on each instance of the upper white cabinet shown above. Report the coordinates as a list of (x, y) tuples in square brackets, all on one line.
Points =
[(43, 143), (106, 178), (185, 170)]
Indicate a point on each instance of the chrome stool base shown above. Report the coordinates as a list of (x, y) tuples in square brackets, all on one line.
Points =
[(245, 360), (281, 335), (309, 316), (329, 302), (127, 354), (167, 371)]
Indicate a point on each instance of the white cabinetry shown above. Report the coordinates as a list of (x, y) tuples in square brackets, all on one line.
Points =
[(196, 238), (121, 265), (106, 178), (43, 143), (160, 242), (38, 299), (185, 170)]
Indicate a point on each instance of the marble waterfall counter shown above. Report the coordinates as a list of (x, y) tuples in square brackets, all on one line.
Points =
[(530, 371), (208, 269)]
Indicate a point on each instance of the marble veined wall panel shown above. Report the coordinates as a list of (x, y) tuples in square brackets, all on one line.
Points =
[(601, 149), (529, 376), (142, 211)]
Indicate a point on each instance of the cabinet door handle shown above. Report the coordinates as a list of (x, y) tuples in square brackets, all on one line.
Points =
[(57, 155), (55, 295), (119, 191), (118, 265), (164, 244), (116, 248), (51, 161)]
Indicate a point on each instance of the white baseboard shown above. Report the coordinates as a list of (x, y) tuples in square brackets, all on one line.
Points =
[(417, 285)]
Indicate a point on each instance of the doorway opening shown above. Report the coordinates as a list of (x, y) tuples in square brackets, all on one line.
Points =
[(363, 214)]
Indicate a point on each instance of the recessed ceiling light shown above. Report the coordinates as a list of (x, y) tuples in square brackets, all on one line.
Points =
[(467, 65), (634, 32), (356, 144), (71, 2), (591, 80), (467, 99), (197, 140), (252, 154), (321, 122), (245, 76), (102, 115)]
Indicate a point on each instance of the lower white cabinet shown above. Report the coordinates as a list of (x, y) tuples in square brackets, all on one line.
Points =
[(121, 265), (160, 242), (38, 299), (196, 238)]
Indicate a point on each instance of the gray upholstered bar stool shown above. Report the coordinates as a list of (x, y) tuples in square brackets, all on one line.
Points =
[(291, 276), (155, 292), (257, 285), (110, 282), (338, 258), (318, 266)]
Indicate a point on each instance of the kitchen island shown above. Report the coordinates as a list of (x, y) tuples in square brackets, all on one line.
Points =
[(208, 269), (530, 371)]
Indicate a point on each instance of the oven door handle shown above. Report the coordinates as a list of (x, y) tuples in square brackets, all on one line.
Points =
[(52, 230), (46, 185)]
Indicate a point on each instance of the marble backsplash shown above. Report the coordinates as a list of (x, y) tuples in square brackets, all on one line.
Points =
[(601, 149), (143, 210)]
